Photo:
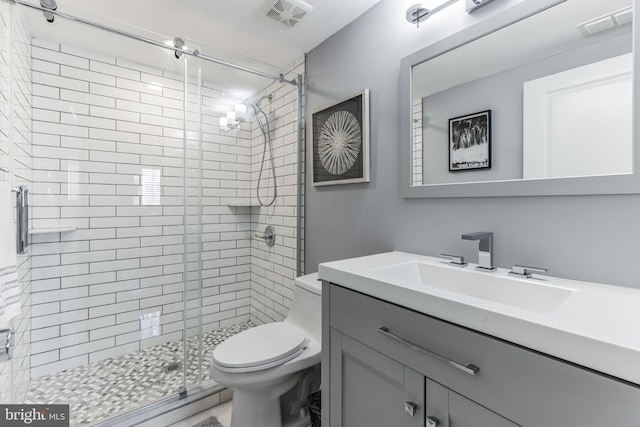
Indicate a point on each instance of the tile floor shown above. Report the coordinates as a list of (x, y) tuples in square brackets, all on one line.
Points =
[(222, 412), (101, 390)]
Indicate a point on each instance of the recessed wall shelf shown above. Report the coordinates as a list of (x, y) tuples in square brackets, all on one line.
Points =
[(52, 230), (240, 204)]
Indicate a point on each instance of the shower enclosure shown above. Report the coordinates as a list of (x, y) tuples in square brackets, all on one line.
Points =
[(144, 208)]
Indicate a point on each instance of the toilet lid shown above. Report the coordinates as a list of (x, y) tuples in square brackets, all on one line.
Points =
[(262, 345)]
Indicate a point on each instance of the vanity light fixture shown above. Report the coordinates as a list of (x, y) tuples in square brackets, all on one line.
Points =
[(473, 5), (421, 12)]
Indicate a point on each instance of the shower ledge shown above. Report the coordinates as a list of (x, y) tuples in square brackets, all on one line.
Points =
[(52, 230), (242, 203)]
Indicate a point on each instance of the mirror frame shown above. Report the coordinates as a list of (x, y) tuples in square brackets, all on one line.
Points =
[(588, 185)]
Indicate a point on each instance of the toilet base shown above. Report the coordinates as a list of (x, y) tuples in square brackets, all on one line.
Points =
[(260, 407)]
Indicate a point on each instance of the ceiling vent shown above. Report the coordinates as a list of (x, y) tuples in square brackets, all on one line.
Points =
[(607, 22), (287, 12)]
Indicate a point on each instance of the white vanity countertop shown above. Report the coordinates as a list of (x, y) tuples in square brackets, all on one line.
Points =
[(598, 326)]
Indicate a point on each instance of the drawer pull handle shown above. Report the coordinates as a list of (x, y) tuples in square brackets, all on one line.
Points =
[(469, 369)]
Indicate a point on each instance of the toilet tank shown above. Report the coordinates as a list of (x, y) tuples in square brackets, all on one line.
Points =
[(306, 307)]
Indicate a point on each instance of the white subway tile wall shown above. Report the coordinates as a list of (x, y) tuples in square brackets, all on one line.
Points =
[(108, 160), (416, 152), (15, 168), (273, 269)]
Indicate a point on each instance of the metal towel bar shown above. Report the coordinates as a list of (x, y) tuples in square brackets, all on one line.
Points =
[(469, 369)]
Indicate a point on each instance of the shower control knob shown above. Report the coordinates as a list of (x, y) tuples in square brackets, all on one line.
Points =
[(269, 236), (433, 422)]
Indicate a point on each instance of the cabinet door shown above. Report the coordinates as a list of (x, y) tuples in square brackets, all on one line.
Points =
[(370, 389), (445, 408)]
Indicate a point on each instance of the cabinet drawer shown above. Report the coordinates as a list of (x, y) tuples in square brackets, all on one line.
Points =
[(524, 386)]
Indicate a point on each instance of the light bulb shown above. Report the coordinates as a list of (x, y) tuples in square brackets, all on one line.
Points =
[(224, 123), (231, 117)]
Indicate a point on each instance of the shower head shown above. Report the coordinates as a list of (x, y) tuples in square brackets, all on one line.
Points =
[(49, 4), (256, 104)]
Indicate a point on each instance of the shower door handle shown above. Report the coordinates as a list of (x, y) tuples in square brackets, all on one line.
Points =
[(7, 344), (22, 219)]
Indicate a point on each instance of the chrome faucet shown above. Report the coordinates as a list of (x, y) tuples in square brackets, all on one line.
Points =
[(485, 255)]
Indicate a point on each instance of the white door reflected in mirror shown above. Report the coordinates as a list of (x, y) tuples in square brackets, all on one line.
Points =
[(559, 85), (579, 122)]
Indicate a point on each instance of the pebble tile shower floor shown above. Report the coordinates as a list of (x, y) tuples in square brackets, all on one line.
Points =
[(101, 390)]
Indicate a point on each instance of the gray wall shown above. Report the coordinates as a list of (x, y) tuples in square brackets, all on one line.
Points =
[(502, 94), (592, 238)]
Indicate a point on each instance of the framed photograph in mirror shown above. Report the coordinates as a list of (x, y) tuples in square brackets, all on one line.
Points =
[(340, 145), (470, 142)]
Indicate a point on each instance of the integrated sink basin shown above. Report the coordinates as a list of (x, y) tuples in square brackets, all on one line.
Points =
[(528, 294), (584, 323)]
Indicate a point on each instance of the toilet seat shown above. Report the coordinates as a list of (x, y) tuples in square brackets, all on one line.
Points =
[(262, 347)]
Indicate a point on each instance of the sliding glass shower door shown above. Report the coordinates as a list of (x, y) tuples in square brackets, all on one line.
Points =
[(143, 208), (116, 205), (193, 210)]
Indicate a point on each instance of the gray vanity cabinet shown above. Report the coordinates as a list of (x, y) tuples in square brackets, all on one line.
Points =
[(445, 408), (370, 389), (377, 356)]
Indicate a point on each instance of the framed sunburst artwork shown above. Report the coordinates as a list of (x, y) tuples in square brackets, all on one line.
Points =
[(340, 151)]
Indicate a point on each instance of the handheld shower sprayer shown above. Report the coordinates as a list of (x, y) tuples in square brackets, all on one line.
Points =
[(256, 104), (266, 132)]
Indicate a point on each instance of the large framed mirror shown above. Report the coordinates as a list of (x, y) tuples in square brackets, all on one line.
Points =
[(538, 99)]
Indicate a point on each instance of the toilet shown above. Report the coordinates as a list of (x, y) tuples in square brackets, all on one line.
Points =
[(272, 367)]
